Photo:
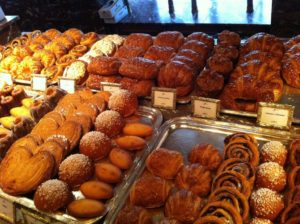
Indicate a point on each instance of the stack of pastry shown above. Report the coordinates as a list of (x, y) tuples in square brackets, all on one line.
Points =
[(257, 76), (210, 81), (46, 53), (291, 62)]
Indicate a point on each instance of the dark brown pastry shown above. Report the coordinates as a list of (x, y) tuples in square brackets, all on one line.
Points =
[(18, 93), (150, 192), (160, 53), (207, 155), (203, 37), (177, 75), (290, 215), (75, 170), (53, 95), (293, 195), (164, 163), (195, 178), (294, 177), (291, 42), (229, 38), (294, 152), (194, 56), (22, 126), (209, 83), (6, 139), (94, 81), (290, 70), (138, 87), (227, 51), (38, 109), (189, 62), (172, 39), (142, 40), (133, 215), (240, 135), (197, 46), (220, 64), (183, 206), (102, 65), (273, 151), (130, 52), (139, 68), (266, 204)]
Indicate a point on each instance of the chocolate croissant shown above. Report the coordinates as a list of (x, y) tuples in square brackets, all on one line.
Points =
[(133, 215), (172, 39), (142, 40), (102, 65)]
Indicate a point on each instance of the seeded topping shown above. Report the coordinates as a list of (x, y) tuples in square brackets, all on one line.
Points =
[(261, 221), (265, 201), (272, 171), (274, 150)]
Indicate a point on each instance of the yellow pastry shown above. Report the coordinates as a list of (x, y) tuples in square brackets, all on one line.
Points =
[(20, 111), (7, 122), (27, 102)]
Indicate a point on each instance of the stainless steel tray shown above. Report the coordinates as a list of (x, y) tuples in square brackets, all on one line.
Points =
[(148, 116), (182, 133)]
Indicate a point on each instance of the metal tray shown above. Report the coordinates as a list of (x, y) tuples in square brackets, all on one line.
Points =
[(26, 205), (182, 133)]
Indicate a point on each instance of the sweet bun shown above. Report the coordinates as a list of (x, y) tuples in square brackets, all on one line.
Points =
[(95, 145), (85, 208), (130, 142), (96, 190), (108, 172), (75, 170), (124, 102), (110, 123), (121, 158), (273, 151), (260, 221), (138, 129), (52, 195)]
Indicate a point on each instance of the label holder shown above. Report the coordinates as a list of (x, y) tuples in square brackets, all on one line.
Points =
[(7, 210), (212, 107), (30, 217), (40, 79), (158, 92), (67, 84), (7, 78), (266, 116), (110, 86)]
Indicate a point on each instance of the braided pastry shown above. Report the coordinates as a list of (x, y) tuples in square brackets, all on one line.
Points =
[(65, 60), (76, 34)]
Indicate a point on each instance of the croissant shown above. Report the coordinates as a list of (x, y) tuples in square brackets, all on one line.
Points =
[(76, 34), (66, 41), (78, 50), (46, 57), (203, 37), (149, 191), (102, 65), (294, 152), (263, 42), (164, 163), (142, 40), (195, 178), (219, 212), (172, 39), (183, 206), (130, 52), (293, 177), (234, 197), (196, 46), (41, 39), (290, 214), (34, 46), (228, 51), (194, 56), (161, 53), (89, 39), (133, 215), (291, 42), (188, 62), (52, 33), (290, 70), (207, 155)]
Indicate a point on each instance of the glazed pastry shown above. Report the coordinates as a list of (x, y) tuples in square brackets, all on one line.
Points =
[(121, 158), (177, 75), (105, 46), (110, 123), (130, 142), (240, 135), (149, 192), (137, 87), (293, 195), (240, 166), (85, 208), (52, 195), (34, 46), (30, 141), (95, 145), (293, 177), (209, 83), (62, 141), (94, 81), (142, 40), (96, 190), (164, 163), (57, 48), (73, 98), (8, 62), (129, 52), (194, 56), (183, 206), (227, 51), (260, 221), (233, 196), (290, 214), (203, 37), (172, 39), (65, 60), (116, 39), (266, 204), (220, 211), (242, 149), (294, 150), (47, 57), (291, 42), (78, 71), (206, 155), (103, 65), (229, 38), (75, 170), (76, 34), (232, 179), (78, 50), (290, 69), (189, 62), (45, 128), (108, 173), (138, 129), (195, 178), (160, 53), (22, 51), (273, 151), (52, 72), (52, 33), (197, 46), (124, 102), (220, 64), (131, 214), (139, 68)]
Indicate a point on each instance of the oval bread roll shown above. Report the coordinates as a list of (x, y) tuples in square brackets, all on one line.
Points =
[(130, 142), (138, 129), (120, 158), (85, 208), (108, 172), (96, 190)]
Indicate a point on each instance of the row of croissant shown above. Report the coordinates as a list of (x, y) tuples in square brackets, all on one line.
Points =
[(246, 187)]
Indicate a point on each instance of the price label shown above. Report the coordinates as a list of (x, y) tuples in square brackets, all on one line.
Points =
[(163, 98), (205, 107), (275, 115), (39, 82), (110, 87), (67, 84), (7, 210), (6, 77)]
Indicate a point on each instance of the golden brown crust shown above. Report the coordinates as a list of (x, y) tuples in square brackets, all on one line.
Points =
[(172, 39), (103, 65), (89, 39), (142, 40), (203, 37), (134, 215), (229, 38), (76, 34), (161, 53), (78, 50), (138, 87), (220, 64), (227, 51), (130, 52), (290, 70), (66, 40), (194, 56), (196, 46), (85, 208), (52, 33)]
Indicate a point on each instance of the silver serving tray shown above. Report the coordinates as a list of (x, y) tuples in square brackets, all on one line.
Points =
[(26, 205), (182, 133)]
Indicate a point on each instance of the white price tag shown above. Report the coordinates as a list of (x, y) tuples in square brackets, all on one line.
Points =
[(6, 77), (7, 209), (39, 82), (110, 87), (205, 107), (275, 115), (164, 98), (67, 84)]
